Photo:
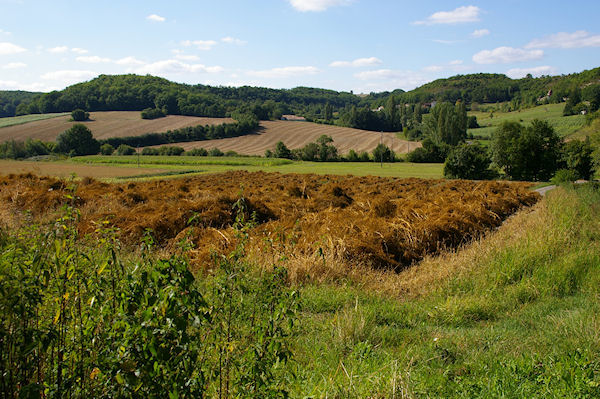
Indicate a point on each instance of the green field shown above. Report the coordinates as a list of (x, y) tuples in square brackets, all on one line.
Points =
[(222, 164), (19, 120), (552, 113)]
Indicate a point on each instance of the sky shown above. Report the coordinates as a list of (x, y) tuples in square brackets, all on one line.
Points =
[(346, 45)]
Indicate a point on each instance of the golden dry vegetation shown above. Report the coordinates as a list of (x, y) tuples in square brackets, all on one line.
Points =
[(104, 125), (298, 134), (325, 227)]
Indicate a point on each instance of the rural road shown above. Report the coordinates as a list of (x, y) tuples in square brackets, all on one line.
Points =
[(544, 190)]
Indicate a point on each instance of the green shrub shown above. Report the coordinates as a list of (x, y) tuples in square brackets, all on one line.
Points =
[(565, 176), (152, 113), (106, 149), (124, 149), (80, 115)]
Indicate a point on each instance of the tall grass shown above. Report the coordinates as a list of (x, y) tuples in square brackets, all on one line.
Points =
[(516, 315)]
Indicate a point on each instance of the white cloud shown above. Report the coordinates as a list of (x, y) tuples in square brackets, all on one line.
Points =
[(14, 65), (129, 61), (5, 32), (456, 62), (8, 84), (58, 49), (9, 48), (285, 72), (94, 59), (67, 77), (359, 62), (506, 55), (200, 44), (79, 50), (576, 39), (155, 18), (317, 5), (187, 57), (233, 40), (455, 66), (517, 73), (393, 79), (176, 67), (480, 32), (457, 16)]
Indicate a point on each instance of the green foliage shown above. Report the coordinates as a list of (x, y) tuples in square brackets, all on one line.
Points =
[(125, 149), (281, 151), (11, 100), (472, 122), (106, 149), (168, 151), (529, 153), (196, 152), (12, 149), (245, 125), (78, 140), (382, 153), (430, 152), (215, 152), (468, 161), (577, 156), (79, 115), (77, 320), (152, 113), (447, 124), (572, 102), (564, 176)]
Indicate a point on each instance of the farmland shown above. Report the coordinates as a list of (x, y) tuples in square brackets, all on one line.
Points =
[(102, 124), (298, 134)]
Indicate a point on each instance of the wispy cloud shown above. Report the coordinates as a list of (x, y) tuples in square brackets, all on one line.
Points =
[(233, 40), (65, 78), (131, 61), (517, 73), (389, 79), (7, 48), (79, 50), (94, 59), (199, 44), (359, 62), (285, 72), (58, 49), (14, 65), (480, 33), (506, 55), (176, 67), (576, 39), (317, 5), (155, 18), (457, 16)]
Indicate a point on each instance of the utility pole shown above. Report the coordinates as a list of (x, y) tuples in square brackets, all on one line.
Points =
[(381, 148)]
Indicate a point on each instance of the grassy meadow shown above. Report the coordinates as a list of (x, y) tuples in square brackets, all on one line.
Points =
[(222, 164), (552, 113), (20, 120)]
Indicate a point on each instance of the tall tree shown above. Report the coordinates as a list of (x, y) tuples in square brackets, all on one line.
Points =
[(447, 123)]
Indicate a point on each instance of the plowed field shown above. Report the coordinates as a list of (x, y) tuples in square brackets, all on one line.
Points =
[(375, 222), (104, 125), (298, 134)]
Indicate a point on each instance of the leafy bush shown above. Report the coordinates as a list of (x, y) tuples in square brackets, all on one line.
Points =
[(77, 320), (124, 149), (80, 115), (215, 152), (565, 176), (106, 149), (468, 161), (429, 153), (152, 113), (76, 141), (197, 152)]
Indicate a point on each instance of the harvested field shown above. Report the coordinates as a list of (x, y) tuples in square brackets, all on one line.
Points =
[(104, 125), (57, 169), (298, 134), (352, 222)]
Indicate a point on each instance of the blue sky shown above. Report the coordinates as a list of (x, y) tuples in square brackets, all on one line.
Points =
[(357, 45)]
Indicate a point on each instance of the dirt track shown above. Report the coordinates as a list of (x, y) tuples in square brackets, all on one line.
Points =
[(104, 125)]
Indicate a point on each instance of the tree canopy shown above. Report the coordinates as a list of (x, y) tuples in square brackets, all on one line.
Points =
[(78, 140)]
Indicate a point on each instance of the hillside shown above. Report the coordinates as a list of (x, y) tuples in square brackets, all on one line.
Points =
[(104, 125), (298, 134)]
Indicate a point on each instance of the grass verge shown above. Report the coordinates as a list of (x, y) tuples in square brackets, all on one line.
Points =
[(19, 120)]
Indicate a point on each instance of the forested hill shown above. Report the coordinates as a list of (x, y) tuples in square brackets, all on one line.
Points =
[(134, 92), (492, 88), (10, 100)]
